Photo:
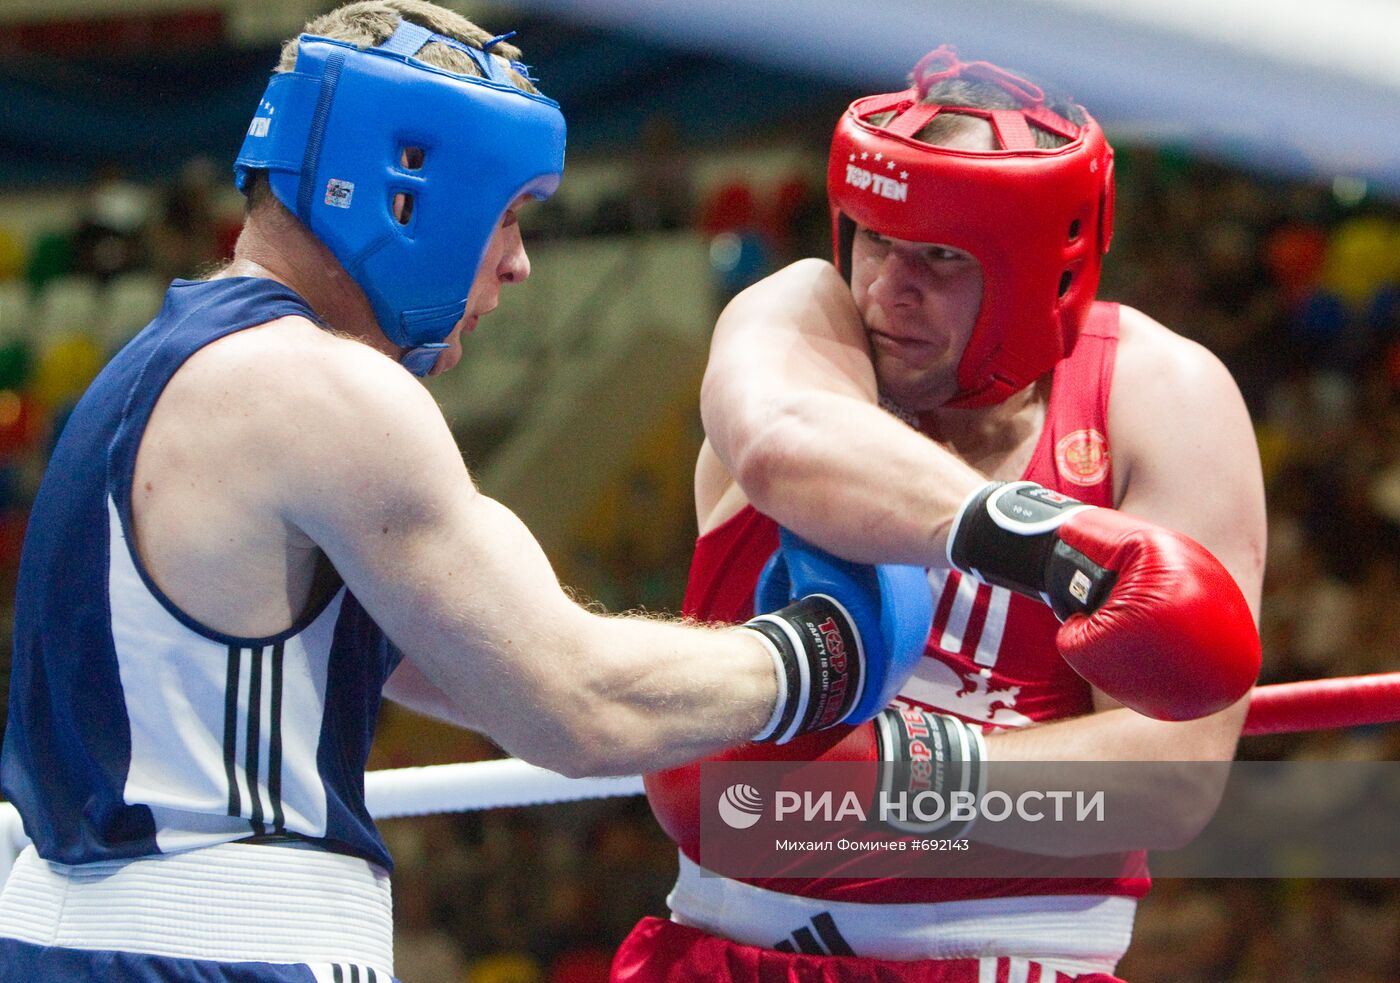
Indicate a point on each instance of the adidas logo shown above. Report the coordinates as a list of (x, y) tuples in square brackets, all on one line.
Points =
[(822, 939)]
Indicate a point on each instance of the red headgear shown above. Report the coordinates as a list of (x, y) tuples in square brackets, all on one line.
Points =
[(1038, 220)]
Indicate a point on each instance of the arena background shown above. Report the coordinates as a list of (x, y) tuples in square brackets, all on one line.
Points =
[(1259, 173)]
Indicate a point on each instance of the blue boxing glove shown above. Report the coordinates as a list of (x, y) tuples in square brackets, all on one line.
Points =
[(845, 635)]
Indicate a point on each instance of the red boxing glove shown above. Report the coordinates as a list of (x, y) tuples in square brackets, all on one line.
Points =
[(1150, 616), (674, 794), (916, 749)]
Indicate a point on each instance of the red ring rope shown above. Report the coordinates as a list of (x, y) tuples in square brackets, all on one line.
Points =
[(1324, 704)]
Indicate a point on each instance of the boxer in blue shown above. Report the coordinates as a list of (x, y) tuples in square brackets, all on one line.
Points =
[(256, 522)]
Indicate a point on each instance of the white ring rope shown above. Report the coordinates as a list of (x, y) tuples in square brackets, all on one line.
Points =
[(481, 785), (397, 792)]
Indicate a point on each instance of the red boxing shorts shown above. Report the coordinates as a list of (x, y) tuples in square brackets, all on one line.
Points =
[(660, 951)]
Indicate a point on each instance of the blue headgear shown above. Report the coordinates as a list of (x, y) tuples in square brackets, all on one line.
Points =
[(335, 136)]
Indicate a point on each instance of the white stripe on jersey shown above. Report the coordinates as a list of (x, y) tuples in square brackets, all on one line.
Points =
[(960, 612), (952, 640), (175, 689), (236, 729), (989, 645)]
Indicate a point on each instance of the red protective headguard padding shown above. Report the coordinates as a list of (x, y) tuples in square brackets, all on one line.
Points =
[(1038, 220)]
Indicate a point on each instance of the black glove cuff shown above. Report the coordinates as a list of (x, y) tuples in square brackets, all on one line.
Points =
[(1004, 534), (925, 758), (822, 664)]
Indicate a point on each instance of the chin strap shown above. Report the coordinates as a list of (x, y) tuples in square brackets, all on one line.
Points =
[(421, 359)]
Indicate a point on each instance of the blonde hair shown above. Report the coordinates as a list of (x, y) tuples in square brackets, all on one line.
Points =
[(366, 23)]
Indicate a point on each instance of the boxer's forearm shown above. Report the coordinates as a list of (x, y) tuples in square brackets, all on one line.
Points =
[(637, 695), (1160, 781), (849, 477), (1119, 734), (629, 695)]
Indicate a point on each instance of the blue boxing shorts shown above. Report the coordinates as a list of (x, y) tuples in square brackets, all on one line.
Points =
[(40, 964), (232, 913)]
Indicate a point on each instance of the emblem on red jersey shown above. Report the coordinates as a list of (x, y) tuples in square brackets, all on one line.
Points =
[(970, 695), (1082, 458)]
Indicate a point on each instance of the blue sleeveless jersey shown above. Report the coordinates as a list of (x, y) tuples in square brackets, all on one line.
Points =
[(135, 730)]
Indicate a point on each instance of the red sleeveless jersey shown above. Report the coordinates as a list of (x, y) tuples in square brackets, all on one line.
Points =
[(991, 656)]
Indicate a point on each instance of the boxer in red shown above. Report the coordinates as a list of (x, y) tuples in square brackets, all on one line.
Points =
[(1082, 484)]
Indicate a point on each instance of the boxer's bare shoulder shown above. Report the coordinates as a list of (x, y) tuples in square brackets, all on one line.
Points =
[(1183, 443), (286, 393), (1172, 400), (1150, 353), (253, 438)]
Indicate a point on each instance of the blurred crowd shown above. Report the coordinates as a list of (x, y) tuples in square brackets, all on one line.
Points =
[(1295, 286), (70, 297), (1297, 289)]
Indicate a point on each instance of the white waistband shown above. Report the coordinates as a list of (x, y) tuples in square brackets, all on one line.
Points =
[(235, 902), (1072, 933)]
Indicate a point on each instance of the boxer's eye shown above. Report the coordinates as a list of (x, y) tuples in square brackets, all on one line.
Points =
[(942, 254)]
